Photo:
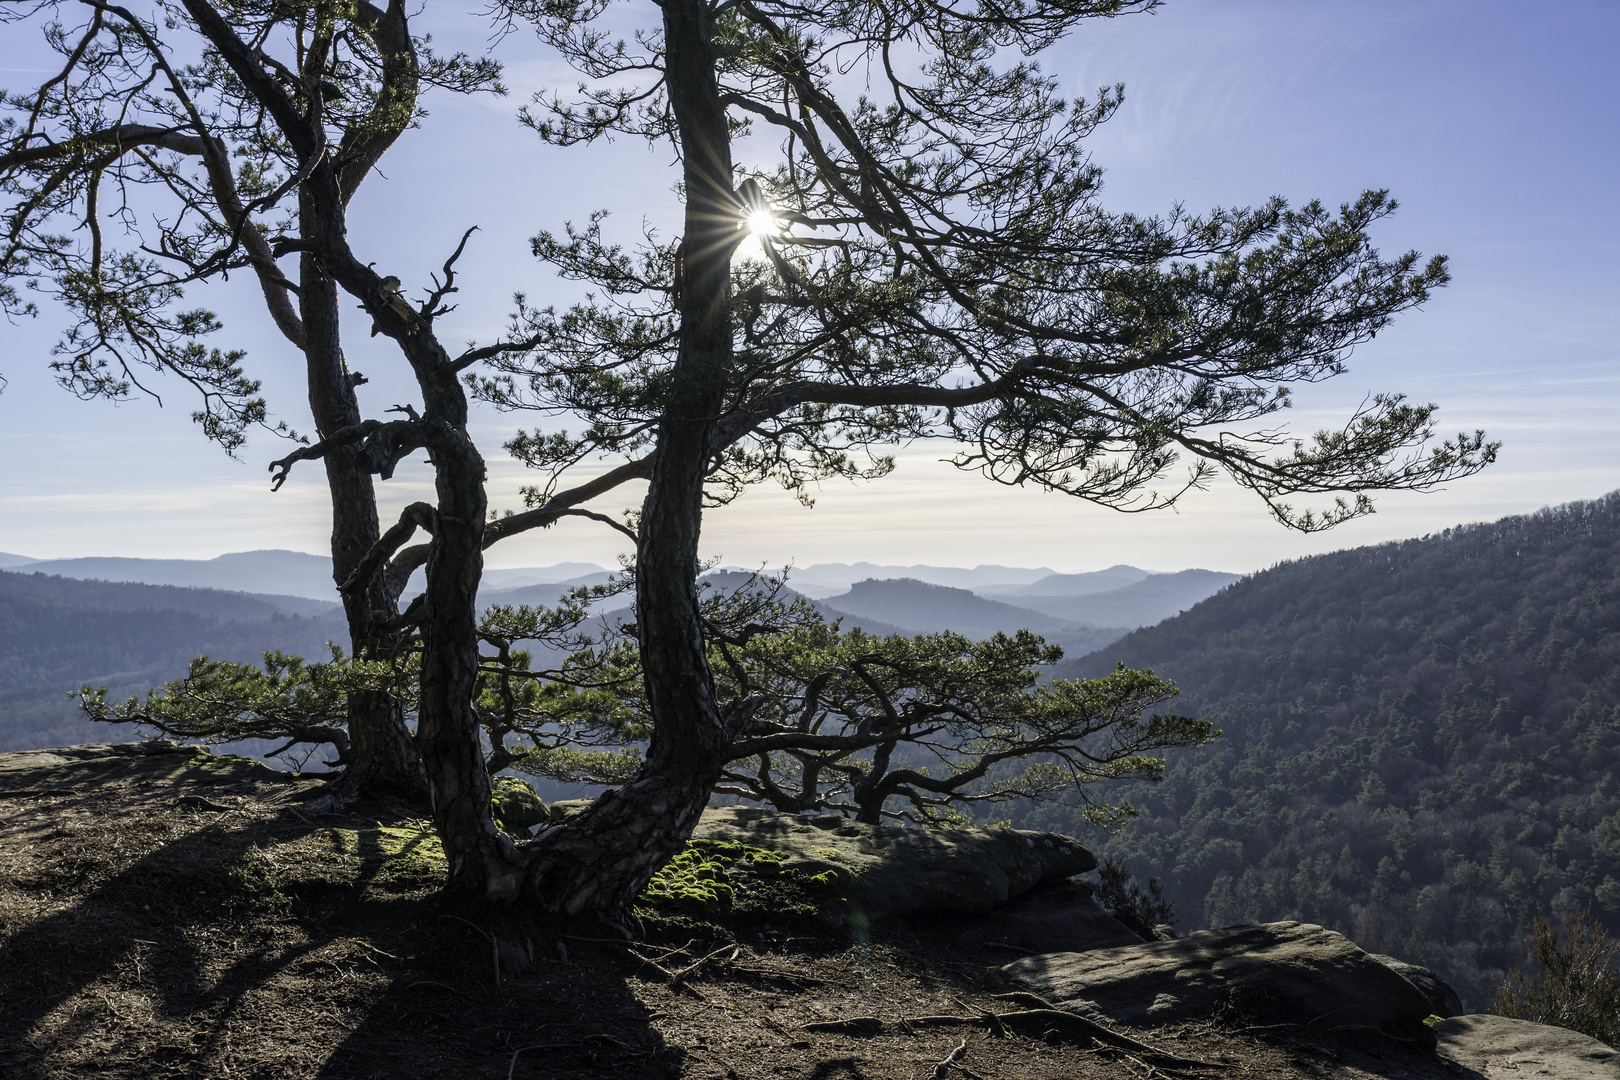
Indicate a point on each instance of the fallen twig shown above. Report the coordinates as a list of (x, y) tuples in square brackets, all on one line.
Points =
[(1261, 1027), (494, 945), (1149, 1070), (671, 950), (669, 976), (1051, 1019), (692, 969), (198, 802), (1042, 1016), (771, 973), (943, 1021)]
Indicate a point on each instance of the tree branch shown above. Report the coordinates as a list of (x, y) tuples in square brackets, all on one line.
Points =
[(364, 144), (382, 445), (739, 423), (121, 138), (417, 515), (542, 516), (603, 518)]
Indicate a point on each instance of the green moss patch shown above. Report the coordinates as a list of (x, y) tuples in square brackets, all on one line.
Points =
[(717, 877)]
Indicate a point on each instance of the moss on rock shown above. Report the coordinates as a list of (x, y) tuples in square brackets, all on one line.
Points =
[(730, 877), (516, 805)]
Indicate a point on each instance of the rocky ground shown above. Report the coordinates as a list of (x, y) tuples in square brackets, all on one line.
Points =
[(182, 915)]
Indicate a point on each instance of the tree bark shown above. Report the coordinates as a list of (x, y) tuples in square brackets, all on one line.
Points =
[(482, 861), (871, 793), (380, 753)]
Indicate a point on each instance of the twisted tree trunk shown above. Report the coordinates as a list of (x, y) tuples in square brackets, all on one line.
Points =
[(603, 858), (380, 754)]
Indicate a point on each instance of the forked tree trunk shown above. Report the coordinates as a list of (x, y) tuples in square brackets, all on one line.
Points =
[(871, 793), (599, 862)]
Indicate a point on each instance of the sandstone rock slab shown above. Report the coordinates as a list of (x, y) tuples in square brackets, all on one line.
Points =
[(1443, 1000), (1284, 971), (888, 870), (1502, 1048)]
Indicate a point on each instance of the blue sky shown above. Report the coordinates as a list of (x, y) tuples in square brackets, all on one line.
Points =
[(1494, 124)]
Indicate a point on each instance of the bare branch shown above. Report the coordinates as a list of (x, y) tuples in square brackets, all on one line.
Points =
[(382, 444)]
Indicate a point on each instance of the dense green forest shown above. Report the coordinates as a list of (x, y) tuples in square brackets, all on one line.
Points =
[(58, 633), (1420, 743)]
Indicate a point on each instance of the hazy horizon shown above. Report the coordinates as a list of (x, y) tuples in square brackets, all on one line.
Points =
[(34, 559), (1486, 121)]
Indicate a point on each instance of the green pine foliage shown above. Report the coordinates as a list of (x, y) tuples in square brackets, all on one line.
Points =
[(1420, 743), (283, 699)]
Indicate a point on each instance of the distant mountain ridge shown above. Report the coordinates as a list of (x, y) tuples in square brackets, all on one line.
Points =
[(269, 571), (136, 596), (1123, 596), (273, 571), (922, 606), (1115, 577), (1141, 603), (820, 577)]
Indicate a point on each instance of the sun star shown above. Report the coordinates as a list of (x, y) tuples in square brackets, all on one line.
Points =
[(762, 223)]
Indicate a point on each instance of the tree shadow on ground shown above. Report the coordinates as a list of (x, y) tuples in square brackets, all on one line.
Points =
[(230, 934)]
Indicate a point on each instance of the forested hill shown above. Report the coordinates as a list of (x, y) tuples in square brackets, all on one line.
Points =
[(1421, 742), (57, 634)]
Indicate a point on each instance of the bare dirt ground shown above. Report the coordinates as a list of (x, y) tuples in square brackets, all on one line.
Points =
[(187, 916)]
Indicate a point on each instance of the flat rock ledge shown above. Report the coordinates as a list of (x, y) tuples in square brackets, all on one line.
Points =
[(890, 870), (1286, 972), (1502, 1048)]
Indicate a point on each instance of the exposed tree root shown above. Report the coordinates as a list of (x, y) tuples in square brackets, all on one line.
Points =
[(855, 1025), (1040, 1019)]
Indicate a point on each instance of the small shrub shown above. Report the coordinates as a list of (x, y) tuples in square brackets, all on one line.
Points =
[(1578, 987), (1141, 910)]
